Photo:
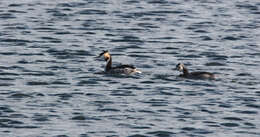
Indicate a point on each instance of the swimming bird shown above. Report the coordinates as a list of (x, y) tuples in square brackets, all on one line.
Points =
[(121, 69), (193, 75)]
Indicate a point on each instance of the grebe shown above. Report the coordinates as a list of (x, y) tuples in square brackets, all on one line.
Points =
[(121, 69), (193, 75)]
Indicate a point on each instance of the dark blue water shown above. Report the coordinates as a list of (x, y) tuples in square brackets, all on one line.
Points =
[(50, 85)]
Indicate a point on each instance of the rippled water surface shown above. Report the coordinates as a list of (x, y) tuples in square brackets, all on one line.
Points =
[(50, 83)]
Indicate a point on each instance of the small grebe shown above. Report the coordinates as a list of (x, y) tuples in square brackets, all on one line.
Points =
[(121, 69), (193, 75)]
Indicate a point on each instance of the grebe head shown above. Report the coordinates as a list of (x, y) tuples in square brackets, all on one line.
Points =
[(180, 67), (106, 55)]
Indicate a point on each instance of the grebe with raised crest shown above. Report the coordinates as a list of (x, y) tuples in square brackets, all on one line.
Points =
[(121, 69)]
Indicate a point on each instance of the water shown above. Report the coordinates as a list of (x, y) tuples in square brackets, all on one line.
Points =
[(50, 86)]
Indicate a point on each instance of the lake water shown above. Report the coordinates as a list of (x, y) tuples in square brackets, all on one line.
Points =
[(50, 83)]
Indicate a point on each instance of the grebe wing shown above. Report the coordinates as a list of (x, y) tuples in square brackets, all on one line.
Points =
[(122, 66), (200, 73), (203, 75), (124, 69)]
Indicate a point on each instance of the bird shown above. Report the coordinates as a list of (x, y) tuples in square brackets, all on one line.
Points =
[(193, 75), (121, 69)]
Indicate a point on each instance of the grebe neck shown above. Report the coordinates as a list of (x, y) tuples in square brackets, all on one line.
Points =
[(185, 71), (109, 64)]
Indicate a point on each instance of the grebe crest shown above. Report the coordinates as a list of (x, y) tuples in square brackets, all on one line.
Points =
[(121, 69), (193, 75)]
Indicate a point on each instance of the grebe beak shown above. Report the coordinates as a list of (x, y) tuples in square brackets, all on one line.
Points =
[(98, 57), (101, 54)]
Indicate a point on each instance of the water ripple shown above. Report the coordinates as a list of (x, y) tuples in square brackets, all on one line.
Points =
[(51, 84)]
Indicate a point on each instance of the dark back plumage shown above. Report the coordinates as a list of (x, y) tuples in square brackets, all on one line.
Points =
[(121, 66)]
